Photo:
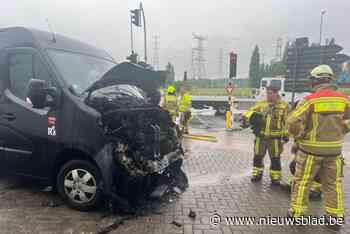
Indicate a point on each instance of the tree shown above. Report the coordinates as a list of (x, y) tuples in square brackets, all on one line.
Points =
[(278, 69), (254, 68)]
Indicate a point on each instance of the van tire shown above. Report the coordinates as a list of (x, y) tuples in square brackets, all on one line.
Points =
[(78, 184)]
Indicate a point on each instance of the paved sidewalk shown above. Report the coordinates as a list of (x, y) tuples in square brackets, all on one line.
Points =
[(219, 175)]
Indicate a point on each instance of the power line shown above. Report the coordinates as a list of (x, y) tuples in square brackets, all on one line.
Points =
[(278, 56), (198, 69)]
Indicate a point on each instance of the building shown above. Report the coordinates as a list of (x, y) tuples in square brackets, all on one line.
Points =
[(301, 57)]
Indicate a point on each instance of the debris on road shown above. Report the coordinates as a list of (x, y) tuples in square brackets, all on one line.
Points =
[(177, 224), (192, 214), (114, 225), (51, 204)]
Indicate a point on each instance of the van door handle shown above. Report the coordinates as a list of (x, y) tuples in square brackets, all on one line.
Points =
[(9, 116)]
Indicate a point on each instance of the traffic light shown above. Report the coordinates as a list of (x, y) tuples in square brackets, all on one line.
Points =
[(233, 65), (135, 17)]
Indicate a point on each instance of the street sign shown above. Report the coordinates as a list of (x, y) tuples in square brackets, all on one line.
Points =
[(230, 88)]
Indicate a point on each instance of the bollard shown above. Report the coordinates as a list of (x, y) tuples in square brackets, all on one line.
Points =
[(229, 120)]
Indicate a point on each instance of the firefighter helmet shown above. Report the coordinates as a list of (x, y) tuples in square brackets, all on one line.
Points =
[(321, 72), (171, 89)]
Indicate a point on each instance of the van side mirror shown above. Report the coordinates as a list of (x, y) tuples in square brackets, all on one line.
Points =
[(40, 94)]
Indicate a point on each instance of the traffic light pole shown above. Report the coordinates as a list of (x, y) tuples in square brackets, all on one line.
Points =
[(144, 31), (132, 36), (295, 74)]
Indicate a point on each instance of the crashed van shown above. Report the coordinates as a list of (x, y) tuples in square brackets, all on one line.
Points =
[(73, 118)]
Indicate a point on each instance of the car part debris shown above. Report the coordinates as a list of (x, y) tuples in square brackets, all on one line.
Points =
[(177, 224), (192, 214), (114, 225), (51, 204)]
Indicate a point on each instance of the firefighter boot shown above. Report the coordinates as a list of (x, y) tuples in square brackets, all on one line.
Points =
[(257, 174), (275, 171)]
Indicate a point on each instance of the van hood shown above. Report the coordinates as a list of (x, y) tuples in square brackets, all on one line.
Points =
[(133, 74)]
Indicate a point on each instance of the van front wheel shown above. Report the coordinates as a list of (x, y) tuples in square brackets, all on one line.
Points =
[(77, 183)]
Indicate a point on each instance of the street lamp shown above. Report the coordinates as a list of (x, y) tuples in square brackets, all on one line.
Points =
[(321, 25)]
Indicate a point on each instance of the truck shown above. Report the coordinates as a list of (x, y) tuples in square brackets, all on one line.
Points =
[(281, 83), (220, 103)]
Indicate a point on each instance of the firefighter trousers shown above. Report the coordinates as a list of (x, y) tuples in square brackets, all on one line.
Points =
[(330, 170), (316, 183), (184, 120), (274, 146)]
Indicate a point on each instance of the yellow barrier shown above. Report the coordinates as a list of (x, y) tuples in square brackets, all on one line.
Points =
[(200, 137), (228, 120)]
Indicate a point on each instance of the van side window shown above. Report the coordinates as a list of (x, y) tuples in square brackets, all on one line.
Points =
[(40, 71), (20, 72), (22, 68)]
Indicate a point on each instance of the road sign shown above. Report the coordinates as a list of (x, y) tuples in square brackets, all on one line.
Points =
[(230, 88)]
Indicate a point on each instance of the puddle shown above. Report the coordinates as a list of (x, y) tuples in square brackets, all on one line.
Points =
[(197, 180)]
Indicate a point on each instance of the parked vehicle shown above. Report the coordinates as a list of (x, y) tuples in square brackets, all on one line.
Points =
[(279, 82), (74, 118)]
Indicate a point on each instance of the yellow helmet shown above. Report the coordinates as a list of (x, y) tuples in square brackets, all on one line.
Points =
[(171, 89), (322, 71)]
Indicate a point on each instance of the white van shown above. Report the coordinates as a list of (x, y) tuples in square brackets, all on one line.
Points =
[(278, 82)]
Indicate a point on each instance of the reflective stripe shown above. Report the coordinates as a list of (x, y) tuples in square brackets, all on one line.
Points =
[(257, 171), (276, 147), (300, 110), (321, 143), (315, 186), (314, 127), (257, 145), (248, 114), (329, 107), (268, 124), (339, 189), (300, 208), (335, 212), (275, 175)]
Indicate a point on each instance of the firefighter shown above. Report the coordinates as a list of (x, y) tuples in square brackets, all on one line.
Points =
[(170, 102), (318, 125), (268, 120), (185, 105)]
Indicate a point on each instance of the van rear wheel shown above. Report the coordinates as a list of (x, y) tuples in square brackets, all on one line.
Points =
[(77, 183)]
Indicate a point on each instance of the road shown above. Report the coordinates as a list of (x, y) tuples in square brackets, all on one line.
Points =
[(219, 175)]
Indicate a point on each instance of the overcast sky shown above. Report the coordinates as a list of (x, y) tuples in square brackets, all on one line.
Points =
[(236, 25)]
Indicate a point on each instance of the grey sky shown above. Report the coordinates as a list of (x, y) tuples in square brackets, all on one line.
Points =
[(229, 24)]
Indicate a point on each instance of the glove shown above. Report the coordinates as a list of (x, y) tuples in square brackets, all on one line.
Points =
[(243, 122), (294, 149), (285, 139), (257, 123)]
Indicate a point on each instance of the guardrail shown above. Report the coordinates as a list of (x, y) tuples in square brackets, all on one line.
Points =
[(220, 102)]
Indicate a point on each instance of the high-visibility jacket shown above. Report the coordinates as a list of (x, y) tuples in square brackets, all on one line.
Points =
[(320, 122), (185, 104), (170, 104), (274, 115)]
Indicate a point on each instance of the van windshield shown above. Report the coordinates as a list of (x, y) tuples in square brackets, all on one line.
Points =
[(80, 71)]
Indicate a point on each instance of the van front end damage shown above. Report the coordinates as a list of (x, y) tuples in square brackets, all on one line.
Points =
[(144, 156), (126, 185)]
